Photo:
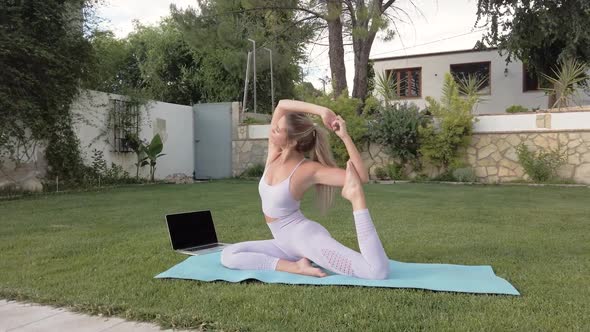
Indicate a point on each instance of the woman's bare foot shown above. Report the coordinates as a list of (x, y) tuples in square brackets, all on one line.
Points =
[(353, 188), (306, 268)]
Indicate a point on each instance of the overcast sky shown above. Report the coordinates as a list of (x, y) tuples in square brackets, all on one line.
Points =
[(437, 26)]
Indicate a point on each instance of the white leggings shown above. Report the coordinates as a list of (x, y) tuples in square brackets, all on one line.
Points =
[(296, 237)]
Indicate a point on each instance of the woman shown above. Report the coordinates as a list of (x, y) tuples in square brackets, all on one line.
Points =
[(287, 176)]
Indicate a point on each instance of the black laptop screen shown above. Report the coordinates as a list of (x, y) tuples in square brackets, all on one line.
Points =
[(191, 229)]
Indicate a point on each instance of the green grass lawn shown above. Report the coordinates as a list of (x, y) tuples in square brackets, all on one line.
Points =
[(98, 252)]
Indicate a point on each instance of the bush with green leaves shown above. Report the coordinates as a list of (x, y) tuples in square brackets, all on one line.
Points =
[(254, 121), (115, 174), (356, 124), (464, 174), (516, 109), (381, 173), (420, 177), (255, 171), (396, 171), (153, 152), (446, 176), (396, 129), (541, 166), (449, 131), (99, 165), (138, 146)]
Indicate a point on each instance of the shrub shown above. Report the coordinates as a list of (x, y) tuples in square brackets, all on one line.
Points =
[(356, 124), (446, 176), (99, 165), (421, 177), (381, 173), (464, 174), (443, 137), (516, 109), (396, 128), (249, 121), (540, 166), (255, 171), (395, 171)]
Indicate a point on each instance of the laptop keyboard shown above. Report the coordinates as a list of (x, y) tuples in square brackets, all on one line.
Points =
[(207, 246)]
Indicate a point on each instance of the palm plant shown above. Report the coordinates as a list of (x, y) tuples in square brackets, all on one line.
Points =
[(138, 146), (387, 88), (567, 78), (153, 152)]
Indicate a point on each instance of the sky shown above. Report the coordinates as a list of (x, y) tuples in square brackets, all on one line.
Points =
[(432, 26)]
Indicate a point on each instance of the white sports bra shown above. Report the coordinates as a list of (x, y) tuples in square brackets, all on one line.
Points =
[(277, 200)]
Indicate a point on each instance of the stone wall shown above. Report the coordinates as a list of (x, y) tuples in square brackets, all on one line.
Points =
[(246, 151), (493, 156)]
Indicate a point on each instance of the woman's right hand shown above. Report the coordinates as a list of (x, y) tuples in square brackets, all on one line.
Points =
[(339, 127)]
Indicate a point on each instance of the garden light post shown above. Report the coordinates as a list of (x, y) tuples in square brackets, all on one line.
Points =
[(254, 65), (272, 88)]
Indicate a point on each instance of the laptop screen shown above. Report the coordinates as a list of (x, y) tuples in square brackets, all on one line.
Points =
[(191, 229)]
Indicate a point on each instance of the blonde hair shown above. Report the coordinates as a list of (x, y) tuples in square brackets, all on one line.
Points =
[(313, 139)]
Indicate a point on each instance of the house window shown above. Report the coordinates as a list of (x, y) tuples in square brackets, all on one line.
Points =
[(481, 71), (125, 121), (530, 81), (407, 82)]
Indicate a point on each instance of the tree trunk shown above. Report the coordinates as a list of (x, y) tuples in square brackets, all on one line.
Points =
[(336, 48), (551, 101), (362, 49)]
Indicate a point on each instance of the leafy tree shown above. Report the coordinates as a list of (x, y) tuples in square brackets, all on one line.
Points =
[(539, 33), (348, 22), (218, 34), (154, 62), (43, 56), (306, 91)]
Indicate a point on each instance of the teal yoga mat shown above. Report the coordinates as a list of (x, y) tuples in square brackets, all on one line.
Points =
[(436, 277)]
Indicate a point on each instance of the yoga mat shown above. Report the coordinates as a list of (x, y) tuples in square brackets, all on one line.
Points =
[(436, 277)]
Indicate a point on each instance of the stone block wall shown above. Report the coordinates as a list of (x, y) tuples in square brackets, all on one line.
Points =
[(246, 151), (492, 154), (494, 159)]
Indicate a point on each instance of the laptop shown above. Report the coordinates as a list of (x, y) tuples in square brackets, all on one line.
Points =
[(193, 233)]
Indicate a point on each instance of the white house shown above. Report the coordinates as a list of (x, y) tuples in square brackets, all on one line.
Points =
[(422, 75)]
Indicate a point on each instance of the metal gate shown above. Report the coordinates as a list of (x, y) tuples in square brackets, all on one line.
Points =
[(212, 126)]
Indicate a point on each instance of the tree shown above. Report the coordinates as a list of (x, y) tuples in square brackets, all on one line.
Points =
[(152, 61), (336, 47), (43, 56), (539, 33), (306, 91), (218, 34), (349, 22)]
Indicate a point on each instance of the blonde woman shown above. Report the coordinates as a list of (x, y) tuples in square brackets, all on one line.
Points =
[(287, 176)]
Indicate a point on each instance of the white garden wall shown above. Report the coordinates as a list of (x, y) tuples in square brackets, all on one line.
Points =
[(173, 122)]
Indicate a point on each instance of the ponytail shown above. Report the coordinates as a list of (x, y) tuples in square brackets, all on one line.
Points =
[(313, 139), (322, 153)]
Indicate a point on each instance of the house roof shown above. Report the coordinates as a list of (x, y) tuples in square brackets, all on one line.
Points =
[(433, 54)]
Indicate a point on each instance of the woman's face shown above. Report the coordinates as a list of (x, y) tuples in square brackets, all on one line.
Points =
[(278, 135)]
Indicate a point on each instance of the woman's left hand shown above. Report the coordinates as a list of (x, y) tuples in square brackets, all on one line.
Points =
[(339, 127), (328, 117)]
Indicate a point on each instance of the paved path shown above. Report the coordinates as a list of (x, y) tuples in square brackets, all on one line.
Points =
[(21, 317)]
